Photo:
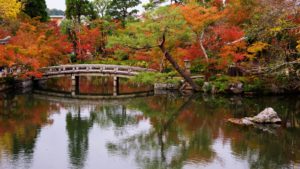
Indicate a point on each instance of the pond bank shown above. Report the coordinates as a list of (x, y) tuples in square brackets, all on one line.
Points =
[(221, 84), (279, 85), (7, 84)]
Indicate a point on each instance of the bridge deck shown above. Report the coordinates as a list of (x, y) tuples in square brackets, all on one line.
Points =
[(92, 69)]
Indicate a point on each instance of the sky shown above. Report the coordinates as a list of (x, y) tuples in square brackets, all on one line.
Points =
[(60, 4)]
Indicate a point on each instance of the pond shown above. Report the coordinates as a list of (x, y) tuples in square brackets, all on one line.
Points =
[(161, 131)]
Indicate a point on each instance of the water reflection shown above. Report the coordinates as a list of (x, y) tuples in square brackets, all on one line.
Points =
[(154, 132), (94, 85), (21, 119), (78, 130)]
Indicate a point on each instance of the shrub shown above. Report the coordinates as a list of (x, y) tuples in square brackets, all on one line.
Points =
[(253, 85), (153, 77)]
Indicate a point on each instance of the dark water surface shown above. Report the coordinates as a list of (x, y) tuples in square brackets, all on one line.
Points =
[(167, 131)]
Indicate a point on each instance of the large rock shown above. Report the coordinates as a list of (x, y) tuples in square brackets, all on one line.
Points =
[(237, 88), (243, 121), (206, 87), (268, 116)]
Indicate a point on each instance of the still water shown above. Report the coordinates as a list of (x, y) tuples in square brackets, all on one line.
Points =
[(161, 131)]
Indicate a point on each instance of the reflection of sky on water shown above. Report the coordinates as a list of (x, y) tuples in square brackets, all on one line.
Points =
[(142, 133), (225, 158)]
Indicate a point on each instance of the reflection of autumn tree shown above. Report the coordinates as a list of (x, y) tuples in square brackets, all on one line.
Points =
[(78, 128), (170, 142), (102, 85), (95, 85), (127, 86), (263, 149), (60, 84), (91, 85), (182, 130), (186, 130), (21, 118), (114, 116)]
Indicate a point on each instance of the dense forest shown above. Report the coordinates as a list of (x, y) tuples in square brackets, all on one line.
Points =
[(251, 42)]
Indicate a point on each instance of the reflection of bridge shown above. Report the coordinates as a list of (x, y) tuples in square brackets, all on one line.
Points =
[(64, 95), (83, 102), (75, 71)]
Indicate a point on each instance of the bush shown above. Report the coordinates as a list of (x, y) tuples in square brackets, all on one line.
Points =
[(121, 55), (222, 86), (200, 82), (10, 80), (152, 78), (117, 62), (198, 68), (253, 85), (222, 83)]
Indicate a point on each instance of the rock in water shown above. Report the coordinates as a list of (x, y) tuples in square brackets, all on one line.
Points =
[(237, 88), (266, 116), (243, 121)]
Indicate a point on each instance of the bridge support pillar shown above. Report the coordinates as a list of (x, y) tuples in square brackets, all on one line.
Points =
[(116, 85), (75, 85)]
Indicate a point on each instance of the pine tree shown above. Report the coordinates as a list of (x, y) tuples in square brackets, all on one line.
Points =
[(36, 8), (122, 9), (78, 8)]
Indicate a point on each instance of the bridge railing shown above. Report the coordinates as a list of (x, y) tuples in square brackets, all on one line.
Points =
[(94, 68)]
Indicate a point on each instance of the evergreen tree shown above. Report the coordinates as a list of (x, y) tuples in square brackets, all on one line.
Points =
[(36, 8), (55, 12), (78, 8), (122, 9)]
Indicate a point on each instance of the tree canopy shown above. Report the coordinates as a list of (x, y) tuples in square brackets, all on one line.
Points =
[(122, 10), (76, 9), (249, 35), (36, 8), (9, 9)]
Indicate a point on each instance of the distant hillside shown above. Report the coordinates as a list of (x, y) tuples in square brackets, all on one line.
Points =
[(55, 12)]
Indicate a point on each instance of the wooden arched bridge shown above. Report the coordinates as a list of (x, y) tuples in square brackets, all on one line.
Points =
[(75, 71), (92, 70)]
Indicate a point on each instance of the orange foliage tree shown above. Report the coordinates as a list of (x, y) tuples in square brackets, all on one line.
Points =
[(35, 45)]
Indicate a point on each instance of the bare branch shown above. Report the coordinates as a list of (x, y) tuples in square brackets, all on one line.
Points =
[(236, 41)]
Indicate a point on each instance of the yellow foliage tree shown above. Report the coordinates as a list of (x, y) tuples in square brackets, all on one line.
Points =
[(298, 47), (256, 48), (9, 9)]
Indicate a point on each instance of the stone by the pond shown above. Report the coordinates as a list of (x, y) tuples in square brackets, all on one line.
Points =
[(237, 88), (206, 87), (243, 121), (268, 116)]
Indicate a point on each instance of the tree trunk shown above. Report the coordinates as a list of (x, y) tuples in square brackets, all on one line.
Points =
[(169, 57), (73, 38), (202, 46)]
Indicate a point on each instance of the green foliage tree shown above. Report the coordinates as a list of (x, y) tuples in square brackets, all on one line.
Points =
[(162, 28), (101, 6), (78, 8), (156, 3), (122, 9), (36, 8)]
